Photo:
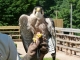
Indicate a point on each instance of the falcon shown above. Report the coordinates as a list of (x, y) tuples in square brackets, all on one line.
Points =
[(36, 22)]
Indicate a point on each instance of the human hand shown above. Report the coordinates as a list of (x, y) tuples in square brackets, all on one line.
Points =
[(43, 49), (32, 48)]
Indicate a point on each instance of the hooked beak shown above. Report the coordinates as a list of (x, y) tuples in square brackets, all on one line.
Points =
[(38, 9)]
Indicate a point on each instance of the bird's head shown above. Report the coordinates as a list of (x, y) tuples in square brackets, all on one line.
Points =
[(38, 12)]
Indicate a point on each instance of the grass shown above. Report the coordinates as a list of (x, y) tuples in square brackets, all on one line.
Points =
[(49, 59), (15, 45)]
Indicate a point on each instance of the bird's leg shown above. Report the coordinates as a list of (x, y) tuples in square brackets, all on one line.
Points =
[(53, 56)]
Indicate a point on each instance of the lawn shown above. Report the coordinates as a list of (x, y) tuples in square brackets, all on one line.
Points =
[(49, 59)]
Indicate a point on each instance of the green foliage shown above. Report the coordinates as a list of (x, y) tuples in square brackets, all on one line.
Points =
[(65, 12), (48, 6), (49, 59), (10, 10), (63, 6), (15, 45)]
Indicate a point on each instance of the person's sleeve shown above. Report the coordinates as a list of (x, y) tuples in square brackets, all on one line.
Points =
[(13, 52), (13, 55)]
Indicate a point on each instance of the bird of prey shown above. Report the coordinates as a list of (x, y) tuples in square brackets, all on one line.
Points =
[(36, 22)]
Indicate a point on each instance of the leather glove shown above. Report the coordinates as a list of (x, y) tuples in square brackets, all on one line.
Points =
[(32, 48), (43, 48), (42, 45)]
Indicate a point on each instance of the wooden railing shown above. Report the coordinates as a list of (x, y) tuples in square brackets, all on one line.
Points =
[(12, 31), (70, 42)]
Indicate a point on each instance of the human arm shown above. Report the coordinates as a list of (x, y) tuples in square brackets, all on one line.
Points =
[(32, 50), (9, 52), (7, 48)]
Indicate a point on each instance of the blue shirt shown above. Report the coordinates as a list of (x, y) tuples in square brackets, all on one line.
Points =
[(8, 49)]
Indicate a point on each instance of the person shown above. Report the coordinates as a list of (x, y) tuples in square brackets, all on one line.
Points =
[(8, 49)]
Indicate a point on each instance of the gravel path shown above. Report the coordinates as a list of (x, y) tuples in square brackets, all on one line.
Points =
[(59, 55)]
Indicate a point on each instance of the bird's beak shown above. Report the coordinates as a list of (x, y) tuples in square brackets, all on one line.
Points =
[(38, 9)]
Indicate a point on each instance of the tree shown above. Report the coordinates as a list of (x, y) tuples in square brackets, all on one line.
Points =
[(63, 6), (49, 7), (10, 10)]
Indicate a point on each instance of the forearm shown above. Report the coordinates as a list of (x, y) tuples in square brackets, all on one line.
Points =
[(26, 57)]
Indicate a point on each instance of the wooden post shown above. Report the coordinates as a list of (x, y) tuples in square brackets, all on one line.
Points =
[(67, 52), (57, 48), (19, 32), (74, 52), (70, 52)]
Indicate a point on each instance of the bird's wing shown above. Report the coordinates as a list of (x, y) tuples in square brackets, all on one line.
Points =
[(50, 26), (51, 29), (26, 34)]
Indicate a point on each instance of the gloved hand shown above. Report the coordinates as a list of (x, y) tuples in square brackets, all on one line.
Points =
[(43, 49), (31, 50)]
